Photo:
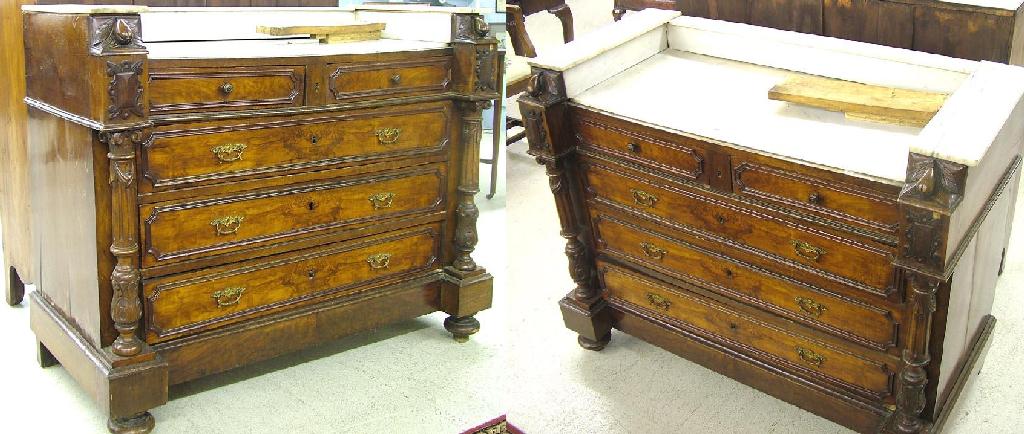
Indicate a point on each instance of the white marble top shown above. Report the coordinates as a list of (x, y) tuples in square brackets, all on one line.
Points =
[(279, 48), (727, 101), (996, 4), (603, 39), (85, 9)]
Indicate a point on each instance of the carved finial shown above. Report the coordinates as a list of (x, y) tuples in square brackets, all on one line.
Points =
[(536, 85), (481, 26), (123, 33)]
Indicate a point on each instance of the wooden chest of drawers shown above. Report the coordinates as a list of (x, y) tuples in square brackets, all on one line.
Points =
[(844, 266), (204, 205)]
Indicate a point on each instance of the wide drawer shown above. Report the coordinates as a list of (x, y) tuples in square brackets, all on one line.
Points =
[(220, 151), (192, 302), (844, 202), (378, 79), (193, 229), (771, 233), (868, 325), (827, 363), (235, 88)]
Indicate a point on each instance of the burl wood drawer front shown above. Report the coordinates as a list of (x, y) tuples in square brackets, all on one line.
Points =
[(361, 80), (783, 238), (813, 359), (685, 161), (192, 229), (835, 200), (852, 320), (197, 301), (219, 151), (234, 88)]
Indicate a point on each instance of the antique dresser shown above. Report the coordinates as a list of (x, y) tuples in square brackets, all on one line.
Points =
[(969, 29), (843, 265), (203, 205)]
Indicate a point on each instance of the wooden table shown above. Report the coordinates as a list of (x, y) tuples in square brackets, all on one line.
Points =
[(845, 266)]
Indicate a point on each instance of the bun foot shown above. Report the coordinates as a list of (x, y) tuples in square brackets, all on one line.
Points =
[(15, 288), (461, 328), (592, 345), (141, 423)]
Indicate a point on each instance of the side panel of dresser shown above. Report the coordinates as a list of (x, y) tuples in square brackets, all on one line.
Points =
[(980, 33)]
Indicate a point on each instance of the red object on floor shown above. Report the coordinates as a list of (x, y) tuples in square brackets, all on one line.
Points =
[(482, 428)]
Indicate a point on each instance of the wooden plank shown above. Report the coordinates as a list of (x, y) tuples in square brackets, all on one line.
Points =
[(320, 29), (861, 101)]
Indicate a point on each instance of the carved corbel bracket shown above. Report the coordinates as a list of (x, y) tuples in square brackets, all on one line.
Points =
[(476, 57), (543, 113), (124, 89), (470, 28), (934, 183), (933, 190), (115, 35)]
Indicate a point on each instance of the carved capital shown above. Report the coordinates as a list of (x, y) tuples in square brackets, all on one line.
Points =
[(124, 89), (934, 183), (547, 87), (115, 35), (469, 27)]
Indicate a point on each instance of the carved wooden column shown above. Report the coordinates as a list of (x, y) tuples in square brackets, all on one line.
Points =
[(551, 142), (932, 192), (475, 79)]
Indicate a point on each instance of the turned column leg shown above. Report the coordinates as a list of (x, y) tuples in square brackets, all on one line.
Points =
[(15, 287), (141, 423)]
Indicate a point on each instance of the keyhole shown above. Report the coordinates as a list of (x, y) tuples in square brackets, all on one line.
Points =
[(311, 205), (311, 273), (733, 326), (728, 273), (720, 219), (633, 147), (315, 138), (316, 87), (718, 173)]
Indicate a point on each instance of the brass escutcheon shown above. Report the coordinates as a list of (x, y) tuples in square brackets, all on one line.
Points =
[(227, 225), (653, 251), (811, 307), (658, 301), (379, 261), (228, 153), (382, 200), (810, 356), (227, 88), (228, 296), (807, 251), (644, 198), (388, 136)]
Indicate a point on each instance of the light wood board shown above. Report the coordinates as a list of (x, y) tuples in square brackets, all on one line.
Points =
[(861, 101)]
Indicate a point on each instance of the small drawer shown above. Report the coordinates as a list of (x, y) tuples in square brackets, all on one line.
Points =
[(687, 162), (193, 302), (826, 363), (856, 321), (193, 229), (235, 88), (772, 233), (844, 202), (222, 151), (349, 81)]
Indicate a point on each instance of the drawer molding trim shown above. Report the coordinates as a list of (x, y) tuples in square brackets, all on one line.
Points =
[(631, 157), (288, 72), (444, 62)]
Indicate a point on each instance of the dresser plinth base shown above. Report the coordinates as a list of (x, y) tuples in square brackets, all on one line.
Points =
[(15, 287), (588, 318), (123, 391), (463, 294)]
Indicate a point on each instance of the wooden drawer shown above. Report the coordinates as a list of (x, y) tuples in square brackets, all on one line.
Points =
[(220, 151), (378, 79), (225, 88), (193, 302), (844, 202), (198, 228), (850, 319), (827, 363), (685, 161), (717, 216)]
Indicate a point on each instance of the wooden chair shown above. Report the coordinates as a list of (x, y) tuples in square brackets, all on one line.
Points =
[(517, 75)]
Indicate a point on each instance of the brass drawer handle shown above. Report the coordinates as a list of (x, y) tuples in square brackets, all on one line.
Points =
[(652, 251), (382, 200), (228, 153), (227, 88), (379, 261), (388, 136), (658, 301), (228, 296), (227, 225), (807, 251), (810, 356), (811, 307), (644, 198)]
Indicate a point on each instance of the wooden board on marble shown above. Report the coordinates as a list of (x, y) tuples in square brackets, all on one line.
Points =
[(328, 33), (861, 101)]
